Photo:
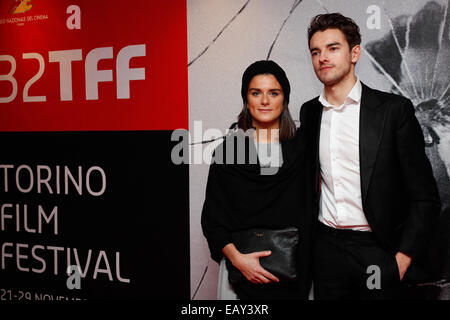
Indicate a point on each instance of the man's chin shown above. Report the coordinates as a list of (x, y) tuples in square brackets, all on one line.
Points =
[(329, 81)]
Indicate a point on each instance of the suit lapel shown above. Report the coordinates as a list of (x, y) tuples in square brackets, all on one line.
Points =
[(371, 124), (318, 119)]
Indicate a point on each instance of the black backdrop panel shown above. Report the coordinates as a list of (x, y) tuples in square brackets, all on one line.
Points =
[(128, 230)]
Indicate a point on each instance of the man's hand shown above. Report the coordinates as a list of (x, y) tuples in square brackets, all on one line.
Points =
[(403, 263)]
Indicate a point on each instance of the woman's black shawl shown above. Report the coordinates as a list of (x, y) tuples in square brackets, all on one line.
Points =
[(238, 196)]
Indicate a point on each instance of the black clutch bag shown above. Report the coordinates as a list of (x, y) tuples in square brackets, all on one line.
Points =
[(281, 242)]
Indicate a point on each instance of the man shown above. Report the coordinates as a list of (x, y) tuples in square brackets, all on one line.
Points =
[(376, 198)]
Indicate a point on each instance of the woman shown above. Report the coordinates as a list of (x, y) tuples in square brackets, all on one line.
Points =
[(270, 192)]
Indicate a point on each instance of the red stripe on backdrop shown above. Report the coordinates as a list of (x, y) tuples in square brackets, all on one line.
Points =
[(142, 43)]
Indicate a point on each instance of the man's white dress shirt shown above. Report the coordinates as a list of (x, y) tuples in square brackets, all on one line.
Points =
[(341, 203)]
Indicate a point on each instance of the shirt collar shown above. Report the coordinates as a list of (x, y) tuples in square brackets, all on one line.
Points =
[(354, 95)]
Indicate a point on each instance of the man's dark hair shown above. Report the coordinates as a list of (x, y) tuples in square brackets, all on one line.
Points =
[(349, 28)]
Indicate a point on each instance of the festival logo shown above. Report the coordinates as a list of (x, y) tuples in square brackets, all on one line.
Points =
[(20, 6), (19, 13)]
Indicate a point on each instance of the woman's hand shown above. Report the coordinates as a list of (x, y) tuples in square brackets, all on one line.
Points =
[(250, 267), (249, 264)]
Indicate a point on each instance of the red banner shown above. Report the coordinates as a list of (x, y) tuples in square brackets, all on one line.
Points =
[(93, 65)]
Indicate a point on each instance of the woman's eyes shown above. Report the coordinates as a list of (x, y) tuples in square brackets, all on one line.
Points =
[(257, 93)]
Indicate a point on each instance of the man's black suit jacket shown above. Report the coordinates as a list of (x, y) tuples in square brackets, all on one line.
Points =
[(399, 194)]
